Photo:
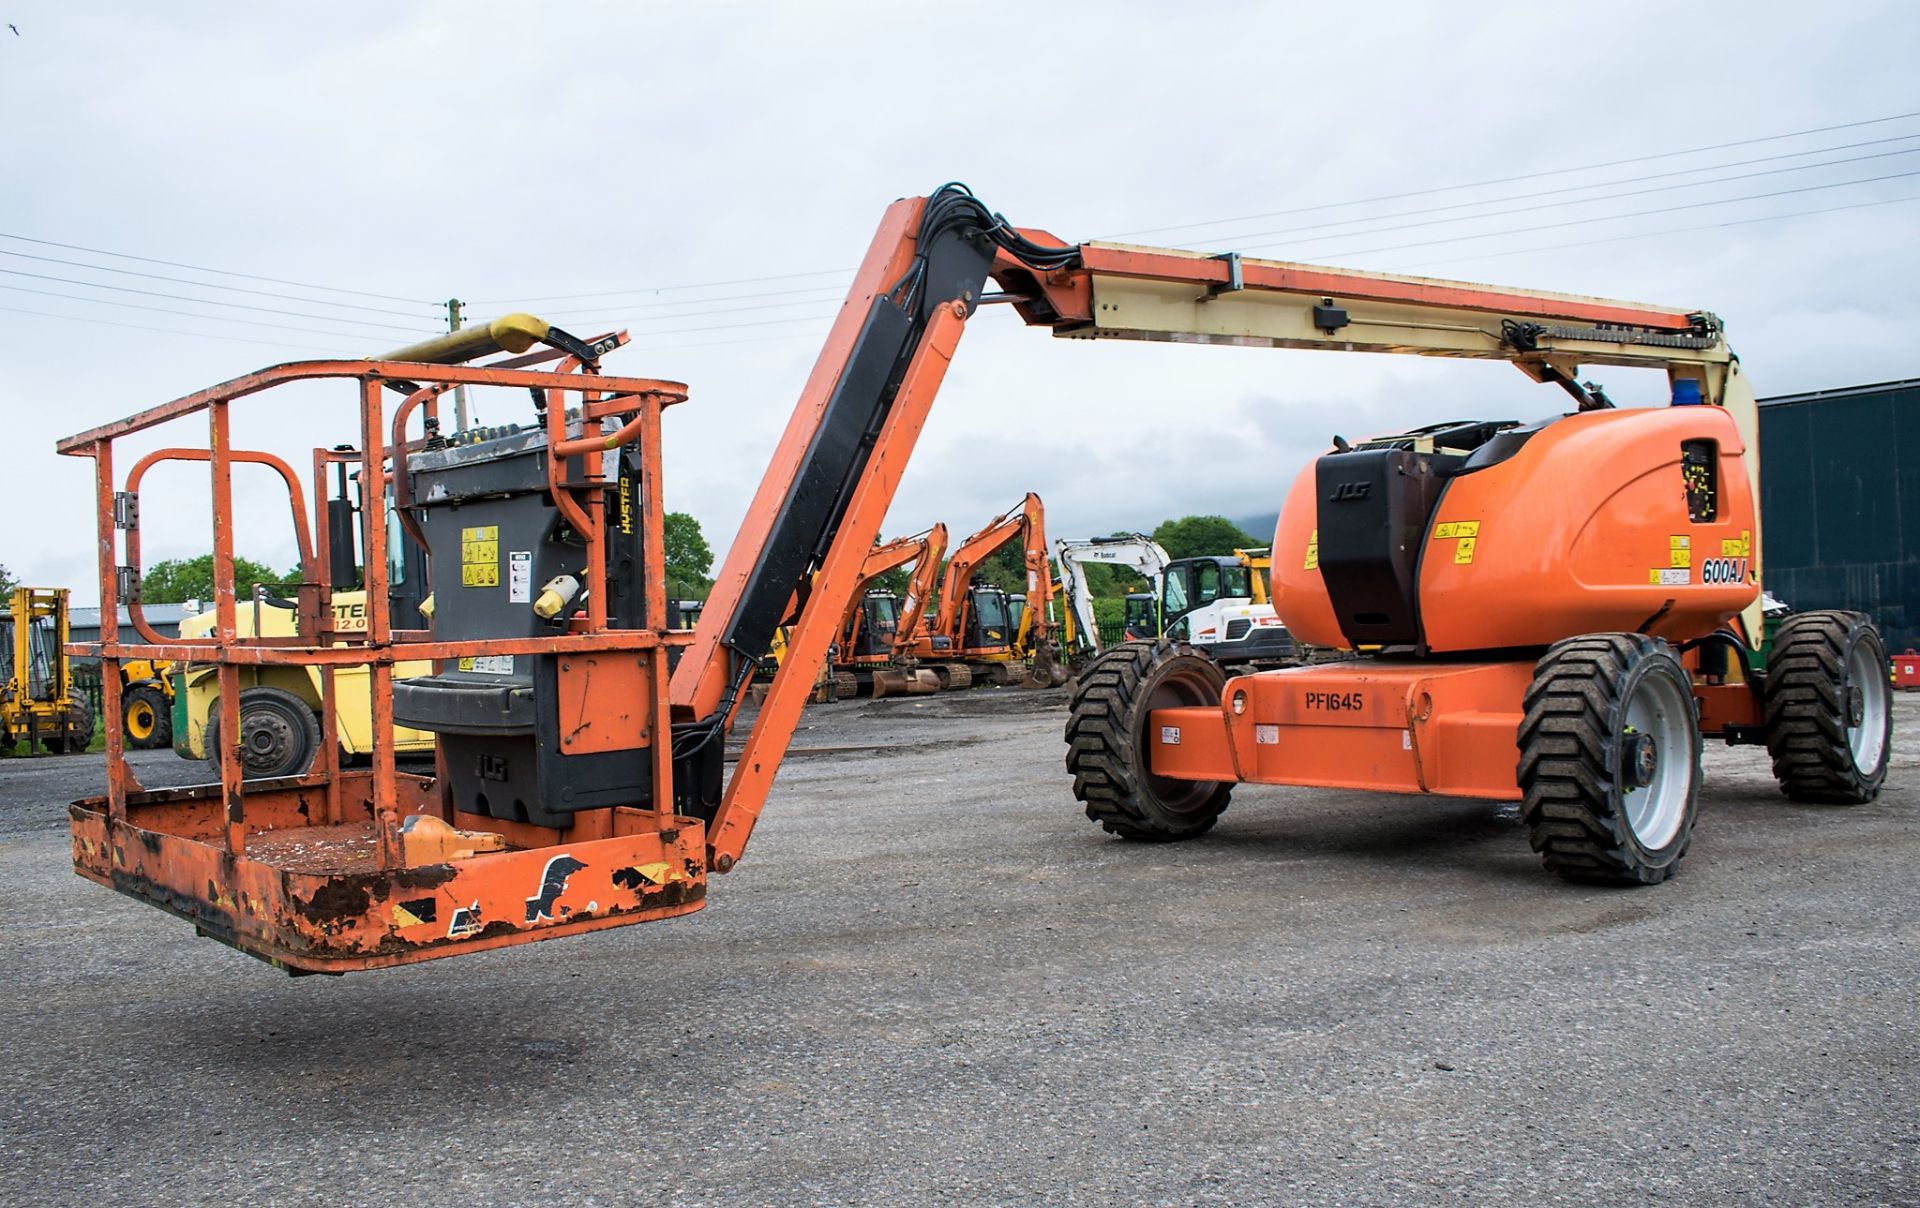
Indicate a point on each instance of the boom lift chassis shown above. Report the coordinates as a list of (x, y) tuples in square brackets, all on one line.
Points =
[(342, 870)]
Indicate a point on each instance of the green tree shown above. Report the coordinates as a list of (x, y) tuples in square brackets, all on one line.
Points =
[(1201, 536), (689, 557), (176, 579), (7, 581), (1005, 568)]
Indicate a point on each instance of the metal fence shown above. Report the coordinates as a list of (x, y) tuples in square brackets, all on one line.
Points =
[(86, 682)]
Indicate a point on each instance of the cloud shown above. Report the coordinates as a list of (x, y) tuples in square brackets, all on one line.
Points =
[(441, 150)]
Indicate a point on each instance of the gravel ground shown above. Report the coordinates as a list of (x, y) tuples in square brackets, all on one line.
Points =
[(932, 980)]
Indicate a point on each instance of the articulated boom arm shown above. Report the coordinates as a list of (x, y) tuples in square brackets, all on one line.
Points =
[(1024, 522), (819, 507), (891, 555), (919, 589), (1136, 552)]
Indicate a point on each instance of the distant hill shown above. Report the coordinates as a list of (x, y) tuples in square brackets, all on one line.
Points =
[(1260, 526)]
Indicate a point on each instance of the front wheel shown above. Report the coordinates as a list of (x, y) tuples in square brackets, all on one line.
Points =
[(1108, 744), (1610, 759), (145, 718), (1828, 708)]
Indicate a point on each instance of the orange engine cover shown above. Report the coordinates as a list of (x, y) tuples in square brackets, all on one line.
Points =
[(1594, 524)]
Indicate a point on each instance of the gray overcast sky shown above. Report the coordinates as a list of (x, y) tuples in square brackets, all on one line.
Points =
[(424, 151)]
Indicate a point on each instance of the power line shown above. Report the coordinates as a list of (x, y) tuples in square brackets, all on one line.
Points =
[(202, 335), (1425, 243), (267, 310), (661, 289), (1552, 226), (1746, 142), (168, 310), (236, 289), (773, 293), (1710, 226), (1577, 201), (1507, 180), (333, 289), (798, 335), (675, 331), (692, 314)]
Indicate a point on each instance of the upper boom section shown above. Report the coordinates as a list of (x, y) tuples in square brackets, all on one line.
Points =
[(1120, 291)]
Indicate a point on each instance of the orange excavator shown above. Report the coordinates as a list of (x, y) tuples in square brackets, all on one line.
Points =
[(874, 654), (1554, 612), (973, 629)]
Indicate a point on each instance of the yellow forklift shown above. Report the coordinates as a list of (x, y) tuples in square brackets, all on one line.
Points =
[(38, 701)]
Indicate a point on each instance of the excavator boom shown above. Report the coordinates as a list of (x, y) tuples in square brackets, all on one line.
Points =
[(1134, 552)]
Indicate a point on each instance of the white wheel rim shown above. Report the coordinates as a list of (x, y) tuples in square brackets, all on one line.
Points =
[(1867, 740), (1660, 710)]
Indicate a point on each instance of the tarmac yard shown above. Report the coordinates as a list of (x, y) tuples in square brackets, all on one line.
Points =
[(932, 979)]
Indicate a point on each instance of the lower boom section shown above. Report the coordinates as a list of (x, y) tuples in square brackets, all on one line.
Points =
[(1395, 727), (312, 896)]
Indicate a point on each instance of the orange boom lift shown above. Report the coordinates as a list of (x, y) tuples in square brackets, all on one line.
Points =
[(1554, 612)]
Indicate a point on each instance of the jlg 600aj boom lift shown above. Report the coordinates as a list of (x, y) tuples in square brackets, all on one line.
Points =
[(1552, 612)]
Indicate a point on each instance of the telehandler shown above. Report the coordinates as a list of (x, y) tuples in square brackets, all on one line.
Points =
[(147, 689), (1553, 612)]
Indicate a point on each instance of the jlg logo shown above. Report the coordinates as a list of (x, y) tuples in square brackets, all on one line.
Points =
[(1349, 492), (1336, 702)]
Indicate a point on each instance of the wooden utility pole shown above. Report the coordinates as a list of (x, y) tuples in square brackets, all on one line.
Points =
[(459, 392)]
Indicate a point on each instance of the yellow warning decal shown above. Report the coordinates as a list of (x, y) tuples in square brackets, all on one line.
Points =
[(402, 917), (1466, 532), (480, 556), (1313, 551), (1679, 551), (1737, 547)]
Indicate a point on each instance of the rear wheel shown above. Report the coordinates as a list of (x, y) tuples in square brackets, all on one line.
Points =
[(1610, 759), (1828, 706), (1107, 741), (146, 719), (279, 735)]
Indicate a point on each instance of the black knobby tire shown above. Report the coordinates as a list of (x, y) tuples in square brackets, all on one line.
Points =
[(1108, 747), (1828, 708), (145, 718), (279, 735), (76, 735), (1605, 799)]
